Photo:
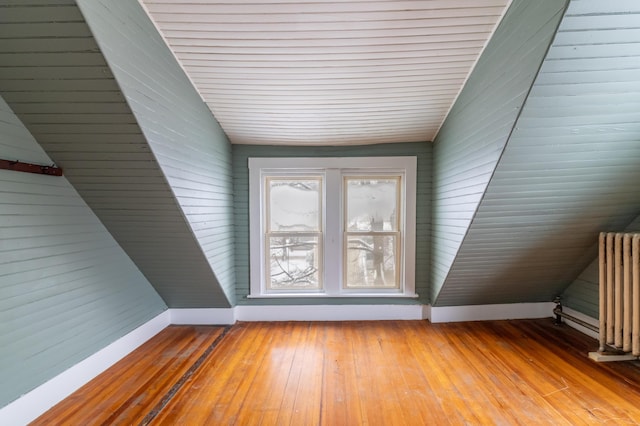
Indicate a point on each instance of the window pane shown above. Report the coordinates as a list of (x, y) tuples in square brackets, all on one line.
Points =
[(372, 204), (294, 204), (371, 262), (293, 263)]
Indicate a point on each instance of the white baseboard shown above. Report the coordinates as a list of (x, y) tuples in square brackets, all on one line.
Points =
[(215, 316), (203, 316), (36, 402), (583, 317), (491, 312), (361, 313), (328, 312)]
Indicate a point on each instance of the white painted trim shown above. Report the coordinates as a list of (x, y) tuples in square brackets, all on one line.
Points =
[(393, 312), (342, 295), (333, 170), (491, 312), (205, 316), (583, 317), (328, 312), (36, 402), (426, 312)]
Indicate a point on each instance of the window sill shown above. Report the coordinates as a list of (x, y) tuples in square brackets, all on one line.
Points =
[(332, 296)]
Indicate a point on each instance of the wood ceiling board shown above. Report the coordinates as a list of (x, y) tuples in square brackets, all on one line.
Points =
[(318, 57)]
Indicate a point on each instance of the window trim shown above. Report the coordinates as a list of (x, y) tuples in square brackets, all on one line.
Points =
[(333, 169)]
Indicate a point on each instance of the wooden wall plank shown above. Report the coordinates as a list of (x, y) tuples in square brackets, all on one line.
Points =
[(190, 147), (67, 287), (56, 77), (473, 137), (568, 170), (321, 47)]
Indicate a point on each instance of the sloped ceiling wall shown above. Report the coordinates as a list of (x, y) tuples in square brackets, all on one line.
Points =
[(56, 79), (569, 170), (189, 144), (67, 289), (477, 128)]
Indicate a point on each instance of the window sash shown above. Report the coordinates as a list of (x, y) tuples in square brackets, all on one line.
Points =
[(362, 177), (377, 263), (301, 269), (366, 267), (317, 261), (268, 192)]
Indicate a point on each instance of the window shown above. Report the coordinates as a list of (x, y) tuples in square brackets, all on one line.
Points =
[(332, 226)]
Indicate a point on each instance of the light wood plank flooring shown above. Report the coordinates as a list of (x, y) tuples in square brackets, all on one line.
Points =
[(526, 372)]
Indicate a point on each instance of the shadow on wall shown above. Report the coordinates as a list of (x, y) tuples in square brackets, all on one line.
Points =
[(555, 256)]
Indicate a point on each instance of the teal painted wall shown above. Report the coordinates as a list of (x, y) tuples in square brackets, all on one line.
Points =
[(472, 138), (569, 170), (582, 295), (188, 143), (56, 79), (423, 212), (67, 288)]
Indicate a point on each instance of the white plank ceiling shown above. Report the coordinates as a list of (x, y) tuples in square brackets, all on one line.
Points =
[(327, 72)]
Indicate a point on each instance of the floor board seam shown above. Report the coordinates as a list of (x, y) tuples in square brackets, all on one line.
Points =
[(186, 376)]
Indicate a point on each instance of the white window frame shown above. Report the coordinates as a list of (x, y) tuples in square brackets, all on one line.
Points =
[(332, 169)]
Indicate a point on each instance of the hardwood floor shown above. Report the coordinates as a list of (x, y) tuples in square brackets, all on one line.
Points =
[(526, 372), (132, 388)]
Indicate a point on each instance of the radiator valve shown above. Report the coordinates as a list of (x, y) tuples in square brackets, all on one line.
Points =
[(557, 311)]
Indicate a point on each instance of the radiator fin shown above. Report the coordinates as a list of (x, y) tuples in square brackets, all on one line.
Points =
[(619, 263)]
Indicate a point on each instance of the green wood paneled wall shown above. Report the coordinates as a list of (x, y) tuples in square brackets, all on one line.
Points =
[(188, 143), (423, 211), (472, 138), (569, 170), (67, 288), (57, 80)]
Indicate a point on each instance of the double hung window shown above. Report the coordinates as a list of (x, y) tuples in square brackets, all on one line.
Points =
[(332, 226)]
